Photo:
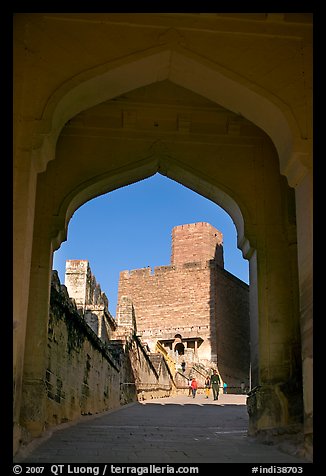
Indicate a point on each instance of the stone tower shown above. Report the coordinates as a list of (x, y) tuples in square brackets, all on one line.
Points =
[(90, 300), (77, 276), (196, 242), (195, 308)]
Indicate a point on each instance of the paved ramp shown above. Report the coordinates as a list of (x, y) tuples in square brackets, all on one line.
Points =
[(166, 430)]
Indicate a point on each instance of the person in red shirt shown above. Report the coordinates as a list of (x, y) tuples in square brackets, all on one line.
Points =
[(194, 387)]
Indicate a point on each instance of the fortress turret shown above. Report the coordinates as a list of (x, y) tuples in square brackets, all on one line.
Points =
[(196, 242)]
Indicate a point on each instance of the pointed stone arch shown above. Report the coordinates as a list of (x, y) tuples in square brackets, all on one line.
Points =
[(165, 165), (191, 71), (96, 86)]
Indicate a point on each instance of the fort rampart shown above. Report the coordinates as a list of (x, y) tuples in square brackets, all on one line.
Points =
[(86, 374), (196, 299)]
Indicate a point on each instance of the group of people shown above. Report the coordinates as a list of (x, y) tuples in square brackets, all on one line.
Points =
[(212, 382)]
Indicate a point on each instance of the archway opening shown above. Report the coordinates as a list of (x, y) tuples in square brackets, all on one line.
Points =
[(135, 224), (143, 217), (179, 348)]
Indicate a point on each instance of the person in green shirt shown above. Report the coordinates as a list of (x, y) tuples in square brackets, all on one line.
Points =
[(215, 384)]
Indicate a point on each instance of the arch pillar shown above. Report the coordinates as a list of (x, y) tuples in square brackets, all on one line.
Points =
[(299, 174), (275, 399), (25, 181), (304, 216), (34, 392)]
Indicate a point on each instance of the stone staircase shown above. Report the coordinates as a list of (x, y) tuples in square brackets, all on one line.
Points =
[(193, 370)]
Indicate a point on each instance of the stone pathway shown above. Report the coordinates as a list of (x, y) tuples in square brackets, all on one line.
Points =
[(167, 430)]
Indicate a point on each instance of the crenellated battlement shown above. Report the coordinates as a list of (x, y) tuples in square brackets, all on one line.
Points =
[(196, 242), (160, 270)]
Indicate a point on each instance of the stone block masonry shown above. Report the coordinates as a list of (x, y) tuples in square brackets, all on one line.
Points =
[(195, 300), (82, 376), (89, 298), (177, 299), (197, 242), (85, 374), (232, 328)]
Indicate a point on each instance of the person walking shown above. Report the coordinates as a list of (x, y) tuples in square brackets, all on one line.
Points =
[(225, 387), (207, 386), (194, 387), (189, 388), (215, 384)]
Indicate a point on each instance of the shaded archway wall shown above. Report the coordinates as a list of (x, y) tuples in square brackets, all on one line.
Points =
[(193, 72), (39, 112)]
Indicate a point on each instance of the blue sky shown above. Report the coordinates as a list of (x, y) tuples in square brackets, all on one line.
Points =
[(131, 228)]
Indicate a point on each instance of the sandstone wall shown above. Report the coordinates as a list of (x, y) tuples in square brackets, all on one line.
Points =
[(233, 328), (82, 376), (196, 242), (174, 299), (151, 373), (86, 375), (90, 300)]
